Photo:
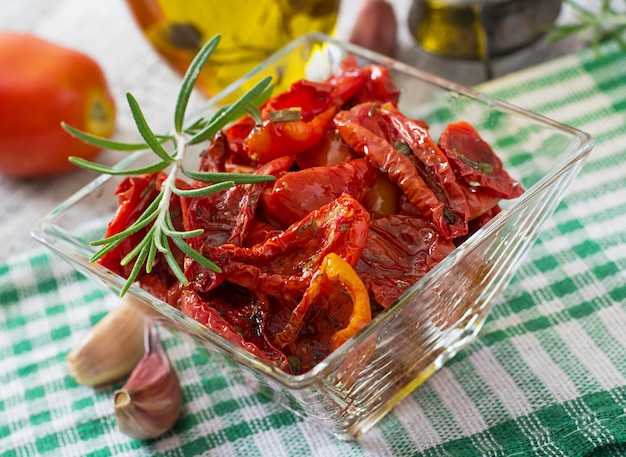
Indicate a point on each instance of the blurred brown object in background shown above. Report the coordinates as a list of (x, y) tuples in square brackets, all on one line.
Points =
[(376, 27)]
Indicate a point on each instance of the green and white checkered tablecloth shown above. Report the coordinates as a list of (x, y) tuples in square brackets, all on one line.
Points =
[(546, 377)]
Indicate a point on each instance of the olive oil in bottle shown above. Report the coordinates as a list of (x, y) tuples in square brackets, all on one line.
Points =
[(251, 30)]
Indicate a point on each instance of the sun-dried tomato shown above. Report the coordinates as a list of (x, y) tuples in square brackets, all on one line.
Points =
[(314, 105), (474, 161), (296, 194), (340, 291), (403, 149), (378, 87), (398, 252), (237, 314), (283, 265)]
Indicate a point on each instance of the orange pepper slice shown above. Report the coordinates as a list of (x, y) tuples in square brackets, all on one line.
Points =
[(333, 282), (335, 269)]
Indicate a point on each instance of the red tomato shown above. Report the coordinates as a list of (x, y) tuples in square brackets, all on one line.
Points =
[(41, 85)]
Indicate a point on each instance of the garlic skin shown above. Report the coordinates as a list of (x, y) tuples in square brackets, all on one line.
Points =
[(151, 400), (111, 348)]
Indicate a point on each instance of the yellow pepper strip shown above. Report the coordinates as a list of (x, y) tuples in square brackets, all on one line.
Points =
[(335, 269), (334, 283)]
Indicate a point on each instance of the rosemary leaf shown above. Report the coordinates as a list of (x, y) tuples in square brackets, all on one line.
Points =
[(103, 169), (607, 23), (137, 249), (195, 255), (182, 235), (171, 261), (189, 81), (160, 239), (201, 123), (105, 142), (233, 112), (106, 249), (114, 241), (151, 257), (255, 113), (146, 131), (149, 214), (236, 178), (169, 230), (136, 268), (203, 191), (183, 246)]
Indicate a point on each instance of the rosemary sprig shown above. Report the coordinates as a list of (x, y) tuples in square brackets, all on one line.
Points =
[(606, 24), (156, 217)]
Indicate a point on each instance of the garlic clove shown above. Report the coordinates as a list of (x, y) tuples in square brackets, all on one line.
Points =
[(111, 349), (151, 400)]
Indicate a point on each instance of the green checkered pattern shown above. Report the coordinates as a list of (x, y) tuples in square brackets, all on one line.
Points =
[(547, 377)]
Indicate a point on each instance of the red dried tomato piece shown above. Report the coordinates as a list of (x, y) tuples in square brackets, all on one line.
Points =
[(251, 197), (296, 194), (225, 218), (283, 264), (342, 294), (402, 148), (474, 161), (378, 87), (236, 314), (347, 79), (315, 104), (399, 251)]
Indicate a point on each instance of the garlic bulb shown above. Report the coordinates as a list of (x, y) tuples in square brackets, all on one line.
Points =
[(111, 349), (151, 400)]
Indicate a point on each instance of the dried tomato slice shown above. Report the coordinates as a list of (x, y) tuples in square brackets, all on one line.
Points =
[(296, 194), (236, 314), (347, 79), (378, 87), (474, 160), (225, 217), (250, 200), (420, 169), (344, 298), (283, 264), (398, 252), (315, 104)]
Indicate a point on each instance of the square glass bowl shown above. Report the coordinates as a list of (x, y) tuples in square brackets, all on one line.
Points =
[(355, 386)]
